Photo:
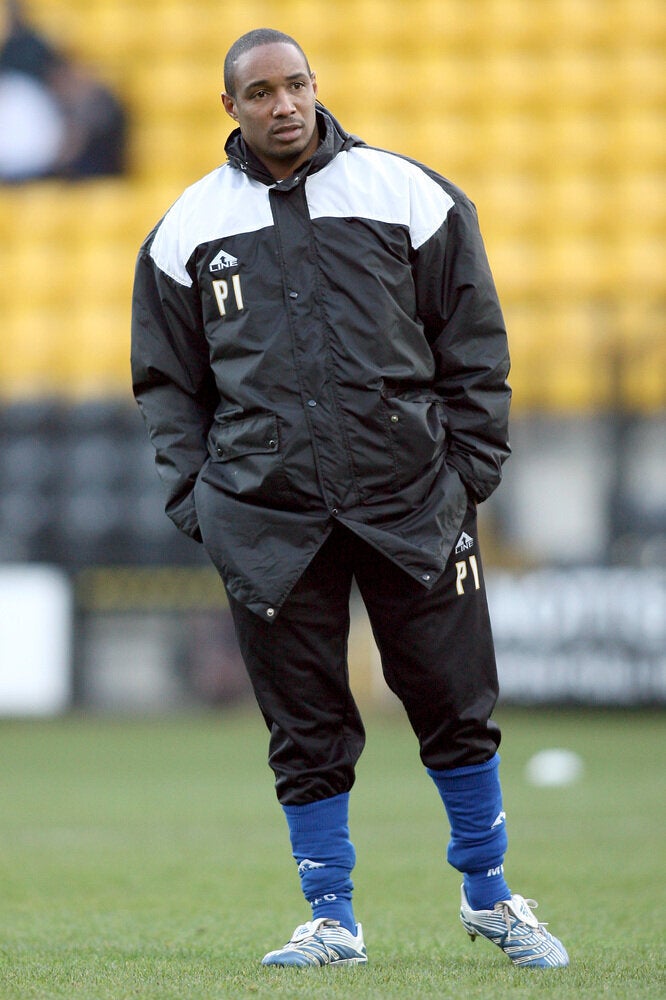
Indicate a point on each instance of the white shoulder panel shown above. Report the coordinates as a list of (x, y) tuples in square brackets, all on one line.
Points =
[(210, 209), (373, 184)]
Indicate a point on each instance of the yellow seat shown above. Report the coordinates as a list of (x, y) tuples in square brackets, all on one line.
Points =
[(549, 115)]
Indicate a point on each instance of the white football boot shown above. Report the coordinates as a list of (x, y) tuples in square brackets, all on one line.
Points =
[(320, 942), (512, 926)]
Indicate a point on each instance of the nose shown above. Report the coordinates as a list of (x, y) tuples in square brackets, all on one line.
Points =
[(284, 104)]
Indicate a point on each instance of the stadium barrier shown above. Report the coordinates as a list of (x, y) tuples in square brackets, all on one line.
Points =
[(160, 639), (593, 636)]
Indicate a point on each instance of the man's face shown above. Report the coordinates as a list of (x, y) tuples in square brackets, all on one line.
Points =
[(274, 105)]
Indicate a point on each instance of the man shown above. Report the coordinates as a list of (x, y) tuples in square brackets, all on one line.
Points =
[(321, 361), (56, 120)]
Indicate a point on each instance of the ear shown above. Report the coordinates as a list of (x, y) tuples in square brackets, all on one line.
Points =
[(229, 106), (313, 77)]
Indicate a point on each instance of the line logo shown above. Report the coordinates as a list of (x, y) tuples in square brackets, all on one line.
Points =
[(222, 260), (307, 866), (464, 543)]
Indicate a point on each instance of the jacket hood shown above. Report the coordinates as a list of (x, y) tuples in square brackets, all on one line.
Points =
[(333, 140)]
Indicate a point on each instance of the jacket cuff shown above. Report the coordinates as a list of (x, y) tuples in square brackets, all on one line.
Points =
[(478, 490)]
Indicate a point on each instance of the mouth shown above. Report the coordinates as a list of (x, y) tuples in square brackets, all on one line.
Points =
[(287, 132)]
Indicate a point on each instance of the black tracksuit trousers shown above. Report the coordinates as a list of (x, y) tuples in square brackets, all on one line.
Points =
[(436, 651)]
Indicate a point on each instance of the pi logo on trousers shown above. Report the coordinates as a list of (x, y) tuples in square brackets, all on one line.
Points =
[(463, 568)]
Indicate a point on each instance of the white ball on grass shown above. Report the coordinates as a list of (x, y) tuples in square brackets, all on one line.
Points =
[(550, 768)]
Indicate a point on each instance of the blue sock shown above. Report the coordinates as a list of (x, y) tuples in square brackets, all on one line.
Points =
[(472, 797), (325, 856)]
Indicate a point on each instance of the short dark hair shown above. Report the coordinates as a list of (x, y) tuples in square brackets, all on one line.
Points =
[(249, 41)]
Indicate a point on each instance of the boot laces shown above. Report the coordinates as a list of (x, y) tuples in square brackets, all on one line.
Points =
[(508, 914)]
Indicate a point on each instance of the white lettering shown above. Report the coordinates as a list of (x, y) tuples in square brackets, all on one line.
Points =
[(475, 571), (461, 574), (221, 290)]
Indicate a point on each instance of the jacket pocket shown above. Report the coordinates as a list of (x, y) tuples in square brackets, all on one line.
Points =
[(416, 426), (255, 435), (245, 459)]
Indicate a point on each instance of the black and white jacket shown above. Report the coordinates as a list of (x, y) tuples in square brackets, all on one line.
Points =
[(326, 347)]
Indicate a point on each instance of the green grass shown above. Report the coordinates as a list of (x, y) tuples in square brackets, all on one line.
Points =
[(149, 858)]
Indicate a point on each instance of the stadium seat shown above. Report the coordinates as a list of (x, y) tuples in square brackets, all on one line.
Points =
[(549, 115)]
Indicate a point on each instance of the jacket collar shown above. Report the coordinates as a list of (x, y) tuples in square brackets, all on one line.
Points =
[(333, 139)]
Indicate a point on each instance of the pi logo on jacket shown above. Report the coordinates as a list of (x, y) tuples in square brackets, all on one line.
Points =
[(227, 291)]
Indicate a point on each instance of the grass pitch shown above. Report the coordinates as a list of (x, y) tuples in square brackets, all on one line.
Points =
[(149, 858)]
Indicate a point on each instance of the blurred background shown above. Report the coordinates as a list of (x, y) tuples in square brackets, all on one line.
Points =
[(550, 115)]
